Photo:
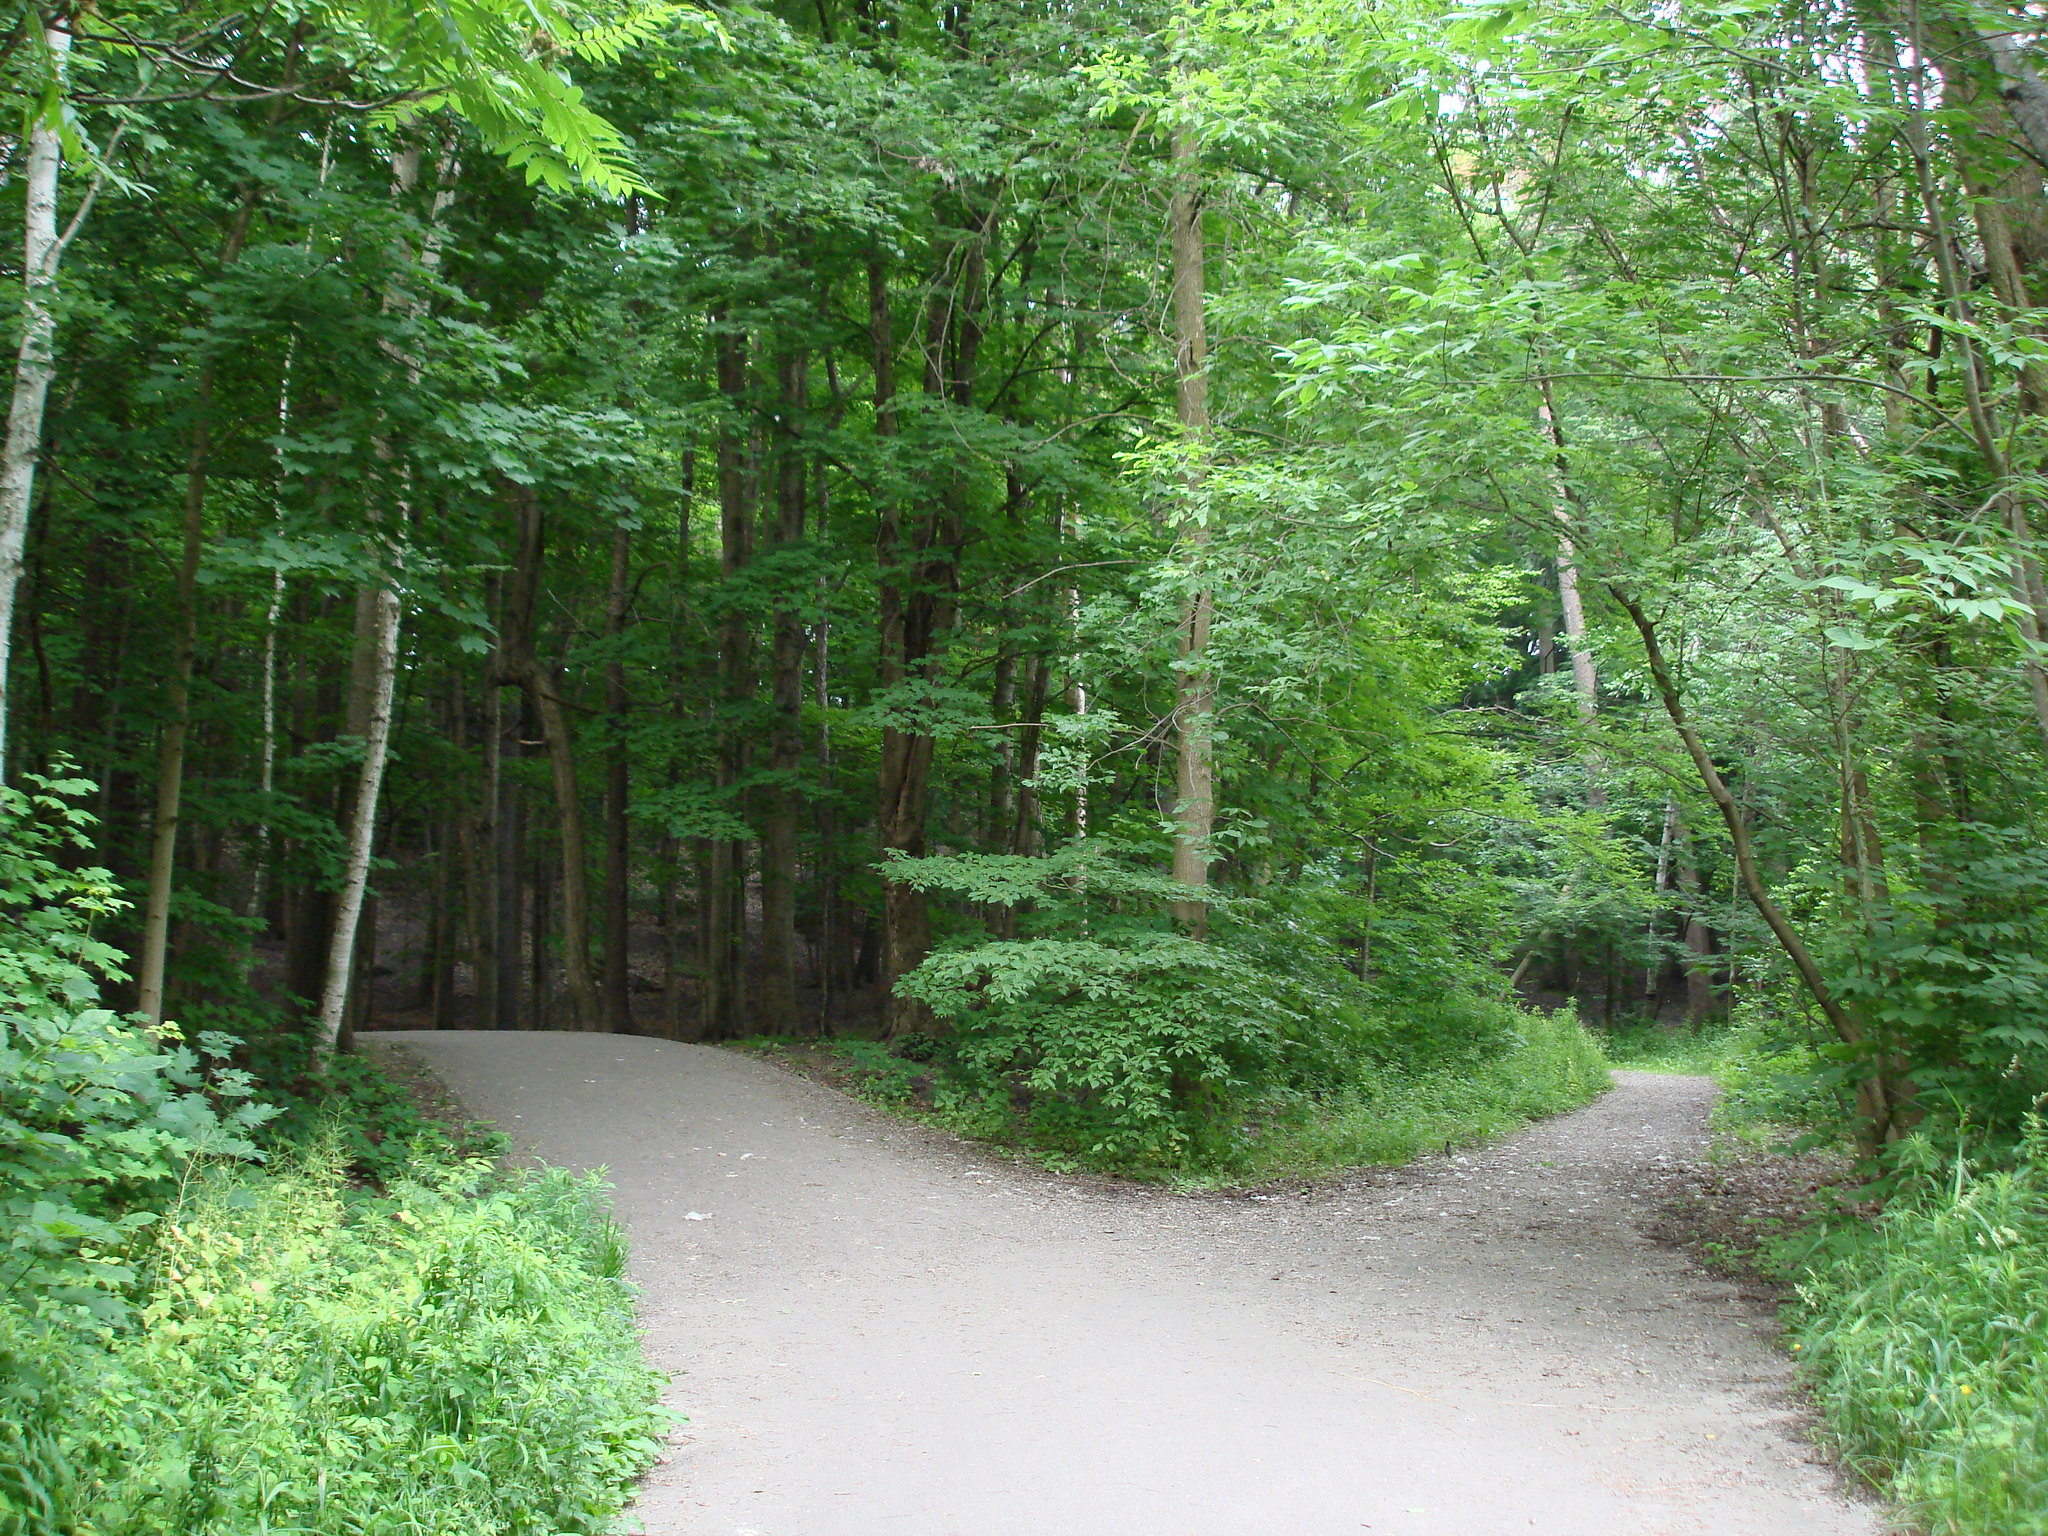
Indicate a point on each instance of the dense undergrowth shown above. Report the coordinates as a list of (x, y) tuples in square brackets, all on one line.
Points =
[(1925, 1339), (1083, 1027), (1385, 1114), (1921, 1330), (455, 1356), (221, 1316)]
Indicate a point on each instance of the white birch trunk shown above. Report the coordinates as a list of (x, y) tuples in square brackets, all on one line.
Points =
[(362, 831), (383, 679), (1585, 677), (35, 365)]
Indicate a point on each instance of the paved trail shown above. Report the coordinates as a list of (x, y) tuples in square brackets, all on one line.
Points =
[(883, 1332)]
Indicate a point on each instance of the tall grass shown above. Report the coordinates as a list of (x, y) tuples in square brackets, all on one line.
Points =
[(1773, 1080), (1391, 1118), (1640, 1046), (442, 1361), (1925, 1339)]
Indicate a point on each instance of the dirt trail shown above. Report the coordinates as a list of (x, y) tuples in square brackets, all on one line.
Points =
[(884, 1332)]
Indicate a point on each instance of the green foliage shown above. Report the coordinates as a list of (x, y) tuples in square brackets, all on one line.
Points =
[(1549, 1064), (455, 1358), (1646, 1047), (1546, 1064), (1101, 1035), (191, 1345), (1776, 1077), (1776, 1080), (372, 1123), (1954, 976), (99, 1121), (1120, 1033), (1925, 1339)]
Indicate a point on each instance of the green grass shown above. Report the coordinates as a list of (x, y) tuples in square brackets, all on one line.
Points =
[(457, 1357), (1388, 1120), (1925, 1340), (1639, 1046), (1382, 1117)]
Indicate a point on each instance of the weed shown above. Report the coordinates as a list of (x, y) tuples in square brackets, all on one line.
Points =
[(449, 1359), (1925, 1338)]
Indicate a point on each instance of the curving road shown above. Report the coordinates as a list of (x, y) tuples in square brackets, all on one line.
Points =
[(877, 1330)]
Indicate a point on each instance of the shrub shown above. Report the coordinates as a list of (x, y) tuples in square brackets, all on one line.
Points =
[(1954, 979), (1773, 1077), (1387, 1116), (190, 1346), (1925, 1338), (1097, 1033), (98, 1120), (448, 1360)]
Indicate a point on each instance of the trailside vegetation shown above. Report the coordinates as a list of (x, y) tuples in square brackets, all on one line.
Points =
[(219, 1318), (1094, 1033), (1923, 1340)]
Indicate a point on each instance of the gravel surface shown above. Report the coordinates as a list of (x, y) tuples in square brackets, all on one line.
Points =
[(875, 1328)]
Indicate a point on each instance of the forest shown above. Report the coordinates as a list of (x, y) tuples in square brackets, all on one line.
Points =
[(1174, 585)]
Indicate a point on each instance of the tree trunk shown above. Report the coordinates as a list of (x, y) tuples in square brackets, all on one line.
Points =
[(511, 864), (363, 966), (1699, 941), (680, 667), (170, 766), (438, 971), (724, 907), (523, 667), (362, 829), (540, 996), (35, 360), (1883, 1095), (1915, 137), (387, 609), (1584, 676), (618, 1002), (778, 1008), (1194, 810), (481, 855), (1653, 972), (1023, 829), (718, 921), (906, 758), (2024, 91), (1002, 773), (830, 969)]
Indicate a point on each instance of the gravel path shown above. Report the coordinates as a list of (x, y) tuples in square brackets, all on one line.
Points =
[(876, 1329)]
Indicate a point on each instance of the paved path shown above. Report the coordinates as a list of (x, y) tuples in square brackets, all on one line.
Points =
[(877, 1330)]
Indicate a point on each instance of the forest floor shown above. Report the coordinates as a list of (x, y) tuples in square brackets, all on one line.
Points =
[(878, 1328)]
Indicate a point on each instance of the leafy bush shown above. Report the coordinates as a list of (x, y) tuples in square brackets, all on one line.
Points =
[(1094, 1032), (1954, 978), (450, 1360), (1925, 1338), (190, 1346), (1117, 1035), (1774, 1077), (98, 1120), (371, 1120)]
